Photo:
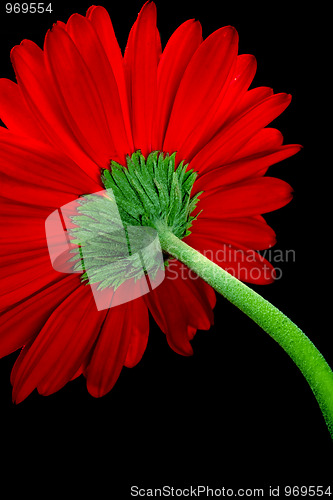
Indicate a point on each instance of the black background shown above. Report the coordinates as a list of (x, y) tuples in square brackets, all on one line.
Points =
[(238, 413)]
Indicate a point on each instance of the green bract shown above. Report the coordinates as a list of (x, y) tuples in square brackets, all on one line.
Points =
[(150, 191), (116, 230)]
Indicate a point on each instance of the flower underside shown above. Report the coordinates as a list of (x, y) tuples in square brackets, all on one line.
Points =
[(116, 230), (152, 190)]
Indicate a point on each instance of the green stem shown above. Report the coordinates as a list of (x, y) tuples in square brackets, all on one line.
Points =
[(301, 350)]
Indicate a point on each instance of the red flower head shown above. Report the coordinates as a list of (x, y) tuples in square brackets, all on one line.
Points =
[(79, 107)]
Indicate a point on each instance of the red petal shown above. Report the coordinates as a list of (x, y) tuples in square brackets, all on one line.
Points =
[(139, 336), (21, 248), (174, 60), (110, 352), (251, 232), (50, 179), (238, 171), (163, 303), (201, 85), (101, 22), (141, 59), (22, 227), (14, 112), (182, 301), (199, 310), (61, 346), (23, 322), (21, 278), (20, 236), (242, 77), (264, 141), (235, 135), (250, 99), (78, 95), (234, 88), (100, 70), (42, 100), (251, 197), (20, 210)]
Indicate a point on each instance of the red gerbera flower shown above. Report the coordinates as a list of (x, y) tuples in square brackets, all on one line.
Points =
[(77, 106)]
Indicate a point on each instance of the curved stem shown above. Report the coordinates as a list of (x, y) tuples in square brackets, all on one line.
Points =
[(291, 338)]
